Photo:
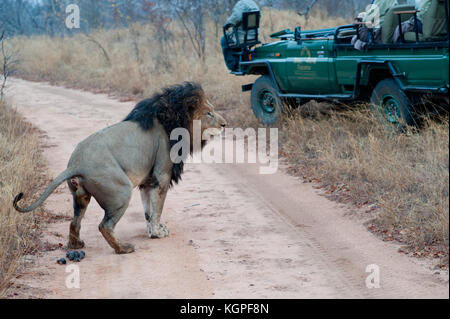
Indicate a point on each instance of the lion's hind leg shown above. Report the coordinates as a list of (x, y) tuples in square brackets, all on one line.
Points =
[(114, 201), (107, 226), (81, 201)]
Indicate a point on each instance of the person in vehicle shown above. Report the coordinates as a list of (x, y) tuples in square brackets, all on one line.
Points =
[(235, 20), (372, 19), (380, 6), (409, 26)]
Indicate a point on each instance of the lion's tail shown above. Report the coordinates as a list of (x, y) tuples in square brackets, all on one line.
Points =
[(50, 189)]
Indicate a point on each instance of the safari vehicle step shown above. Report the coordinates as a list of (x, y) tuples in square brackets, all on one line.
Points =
[(319, 96)]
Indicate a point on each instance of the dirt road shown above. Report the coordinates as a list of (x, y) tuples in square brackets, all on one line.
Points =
[(233, 232)]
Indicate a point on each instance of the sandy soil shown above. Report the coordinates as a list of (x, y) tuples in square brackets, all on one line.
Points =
[(233, 233)]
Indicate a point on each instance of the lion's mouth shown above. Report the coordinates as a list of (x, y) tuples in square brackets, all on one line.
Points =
[(216, 131)]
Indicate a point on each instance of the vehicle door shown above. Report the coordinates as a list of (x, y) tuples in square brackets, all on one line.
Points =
[(308, 66)]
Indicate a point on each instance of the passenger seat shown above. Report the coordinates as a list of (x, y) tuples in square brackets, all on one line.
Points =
[(434, 24), (391, 22)]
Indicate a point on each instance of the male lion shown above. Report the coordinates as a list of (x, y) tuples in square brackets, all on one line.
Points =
[(133, 153)]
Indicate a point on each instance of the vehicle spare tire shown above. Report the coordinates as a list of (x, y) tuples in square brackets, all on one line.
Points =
[(391, 105), (266, 104)]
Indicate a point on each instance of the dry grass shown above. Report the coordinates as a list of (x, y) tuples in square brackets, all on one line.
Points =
[(405, 175), (356, 159), (276, 20), (20, 158)]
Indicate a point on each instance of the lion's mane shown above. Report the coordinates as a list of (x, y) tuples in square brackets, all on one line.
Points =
[(174, 108)]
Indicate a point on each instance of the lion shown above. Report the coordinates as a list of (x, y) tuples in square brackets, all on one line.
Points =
[(109, 164)]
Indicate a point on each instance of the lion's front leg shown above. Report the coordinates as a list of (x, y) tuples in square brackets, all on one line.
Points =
[(157, 230), (153, 198)]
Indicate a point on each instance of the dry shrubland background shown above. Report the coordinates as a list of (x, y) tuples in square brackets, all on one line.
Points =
[(138, 60), (404, 176), (20, 159)]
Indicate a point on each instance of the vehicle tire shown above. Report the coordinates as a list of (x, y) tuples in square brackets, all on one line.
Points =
[(392, 106), (266, 104)]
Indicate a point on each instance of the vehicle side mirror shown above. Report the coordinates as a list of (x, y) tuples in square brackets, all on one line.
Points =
[(298, 35)]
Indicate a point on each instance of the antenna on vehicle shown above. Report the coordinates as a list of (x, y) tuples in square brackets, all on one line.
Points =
[(447, 19), (298, 35)]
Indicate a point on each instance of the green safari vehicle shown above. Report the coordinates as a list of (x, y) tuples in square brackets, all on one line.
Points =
[(396, 78)]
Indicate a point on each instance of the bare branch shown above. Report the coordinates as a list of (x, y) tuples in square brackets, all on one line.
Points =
[(191, 16), (188, 32), (6, 64), (105, 53), (307, 10)]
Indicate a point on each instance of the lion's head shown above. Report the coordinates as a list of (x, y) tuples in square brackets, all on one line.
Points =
[(177, 107), (209, 118)]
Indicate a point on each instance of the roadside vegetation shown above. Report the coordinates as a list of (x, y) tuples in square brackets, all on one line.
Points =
[(20, 159), (402, 179)]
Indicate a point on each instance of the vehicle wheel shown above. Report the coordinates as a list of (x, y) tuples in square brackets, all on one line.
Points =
[(266, 103), (392, 106)]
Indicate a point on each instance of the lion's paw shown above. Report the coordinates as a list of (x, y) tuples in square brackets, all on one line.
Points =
[(125, 249), (157, 231), (75, 244)]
